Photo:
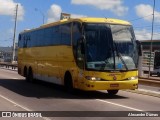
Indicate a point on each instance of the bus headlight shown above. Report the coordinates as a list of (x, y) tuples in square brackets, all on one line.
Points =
[(93, 78), (133, 78)]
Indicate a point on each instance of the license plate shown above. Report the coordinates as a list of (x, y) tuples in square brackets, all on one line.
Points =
[(114, 85)]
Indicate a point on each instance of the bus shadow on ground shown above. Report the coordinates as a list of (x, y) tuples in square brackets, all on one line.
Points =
[(41, 89)]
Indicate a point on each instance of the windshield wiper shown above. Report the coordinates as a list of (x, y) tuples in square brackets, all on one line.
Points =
[(119, 55)]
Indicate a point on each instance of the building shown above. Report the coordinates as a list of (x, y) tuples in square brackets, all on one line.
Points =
[(146, 45), (6, 54), (146, 59)]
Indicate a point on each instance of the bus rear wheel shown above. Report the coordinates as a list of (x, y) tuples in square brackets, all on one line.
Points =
[(112, 92), (158, 74), (25, 74), (30, 76)]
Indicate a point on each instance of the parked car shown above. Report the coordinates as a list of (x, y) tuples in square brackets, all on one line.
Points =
[(156, 71)]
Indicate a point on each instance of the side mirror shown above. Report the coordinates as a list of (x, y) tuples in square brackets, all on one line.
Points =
[(82, 45), (139, 46)]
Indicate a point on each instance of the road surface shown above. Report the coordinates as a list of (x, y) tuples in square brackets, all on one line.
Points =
[(18, 95)]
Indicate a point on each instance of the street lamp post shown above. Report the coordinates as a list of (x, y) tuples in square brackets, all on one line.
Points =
[(14, 37), (36, 9), (151, 40)]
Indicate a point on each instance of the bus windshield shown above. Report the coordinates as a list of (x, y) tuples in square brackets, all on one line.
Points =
[(110, 47)]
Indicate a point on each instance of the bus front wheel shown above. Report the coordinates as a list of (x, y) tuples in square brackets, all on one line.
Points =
[(112, 92), (68, 83)]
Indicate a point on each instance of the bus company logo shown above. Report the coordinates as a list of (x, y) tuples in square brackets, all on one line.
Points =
[(114, 76)]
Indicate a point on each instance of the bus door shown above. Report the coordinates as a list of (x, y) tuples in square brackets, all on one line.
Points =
[(78, 49)]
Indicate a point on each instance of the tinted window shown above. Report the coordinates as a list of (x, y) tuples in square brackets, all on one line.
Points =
[(20, 41), (47, 37), (56, 35), (76, 38), (66, 34), (76, 33)]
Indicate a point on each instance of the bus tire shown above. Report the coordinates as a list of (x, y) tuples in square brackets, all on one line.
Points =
[(30, 75), (158, 74), (112, 92), (68, 83), (25, 74)]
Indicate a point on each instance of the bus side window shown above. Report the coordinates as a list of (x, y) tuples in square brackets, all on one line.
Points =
[(66, 34), (19, 38), (76, 39), (75, 36), (24, 42), (19, 41), (56, 35), (28, 40)]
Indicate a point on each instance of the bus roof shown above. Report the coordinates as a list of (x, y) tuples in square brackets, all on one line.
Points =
[(89, 20), (86, 20)]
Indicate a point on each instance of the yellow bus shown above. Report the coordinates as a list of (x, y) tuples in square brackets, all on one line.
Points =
[(81, 53)]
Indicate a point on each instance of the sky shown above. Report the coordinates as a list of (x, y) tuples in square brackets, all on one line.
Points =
[(32, 12)]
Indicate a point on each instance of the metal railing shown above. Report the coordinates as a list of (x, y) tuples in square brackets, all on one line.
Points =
[(8, 65)]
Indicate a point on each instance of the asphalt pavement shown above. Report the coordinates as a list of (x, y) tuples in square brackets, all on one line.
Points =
[(17, 94)]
